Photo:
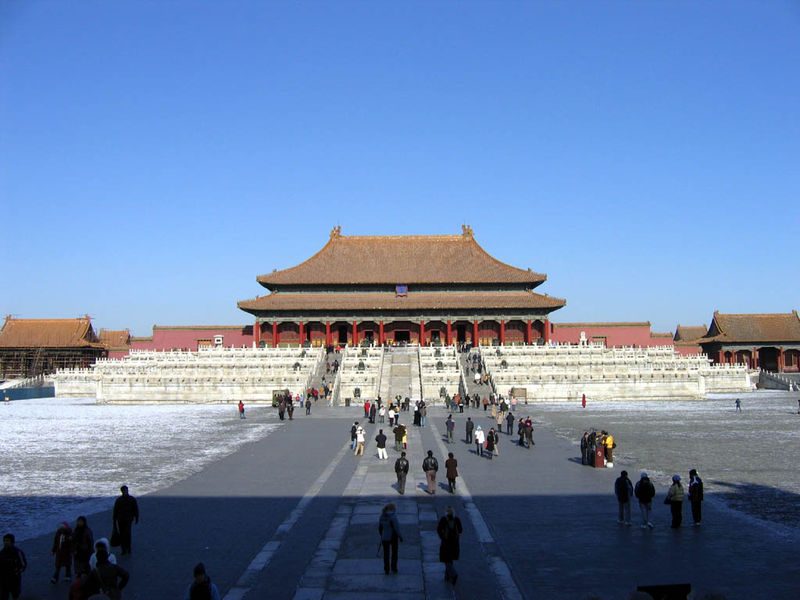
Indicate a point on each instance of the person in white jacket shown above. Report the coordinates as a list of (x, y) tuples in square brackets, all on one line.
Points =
[(480, 438)]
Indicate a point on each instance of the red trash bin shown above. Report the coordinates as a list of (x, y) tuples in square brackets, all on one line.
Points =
[(599, 457)]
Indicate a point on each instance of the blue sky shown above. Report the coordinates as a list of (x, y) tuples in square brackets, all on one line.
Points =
[(155, 157)]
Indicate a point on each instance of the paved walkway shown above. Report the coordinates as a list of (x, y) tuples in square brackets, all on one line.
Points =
[(295, 516)]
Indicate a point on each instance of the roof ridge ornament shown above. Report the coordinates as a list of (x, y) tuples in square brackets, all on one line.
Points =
[(466, 231), (336, 232)]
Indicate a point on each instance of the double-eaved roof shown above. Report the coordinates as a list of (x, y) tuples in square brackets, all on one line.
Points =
[(353, 268), (401, 259), (753, 328), (48, 333)]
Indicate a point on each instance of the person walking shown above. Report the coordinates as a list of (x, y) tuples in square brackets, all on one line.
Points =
[(380, 442), (675, 500), (430, 465), (451, 471), (390, 413), (241, 410), (449, 530), (360, 439), (12, 565), (389, 530), (423, 412), (491, 443), (469, 426), (62, 551), (353, 430), (201, 586), (399, 432), (644, 492), (509, 423), (382, 414), (450, 427), (623, 490), (105, 578), (738, 405), (480, 439), (401, 470), (126, 512), (373, 411), (529, 433), (308, 406), (696, 496)]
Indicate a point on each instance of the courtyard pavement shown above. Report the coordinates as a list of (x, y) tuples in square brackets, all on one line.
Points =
[(294, 515)]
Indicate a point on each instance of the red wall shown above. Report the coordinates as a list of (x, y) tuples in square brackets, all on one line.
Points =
[(615, 334), (186, 338)]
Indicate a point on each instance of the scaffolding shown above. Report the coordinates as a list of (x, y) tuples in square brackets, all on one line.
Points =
[(32, 362)]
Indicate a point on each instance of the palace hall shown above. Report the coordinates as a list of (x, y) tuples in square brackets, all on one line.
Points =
[(428, 289)]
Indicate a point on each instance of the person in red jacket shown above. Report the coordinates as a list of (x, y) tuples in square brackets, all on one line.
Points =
[(62, 550)]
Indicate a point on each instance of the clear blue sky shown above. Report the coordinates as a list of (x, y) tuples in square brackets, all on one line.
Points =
[(155, 157)]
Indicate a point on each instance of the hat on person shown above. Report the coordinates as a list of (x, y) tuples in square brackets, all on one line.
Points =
[(676, 478), (643, 475)]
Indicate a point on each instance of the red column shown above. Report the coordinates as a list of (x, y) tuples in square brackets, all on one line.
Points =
[(380, 333), (449, 332), (328, 333), (720, 357), (257, 333), (755, 358), (274, 334), (502, 332), (300, 334), (355, 333), (529, 333), (475, 332), (421, 332), (547, 331)]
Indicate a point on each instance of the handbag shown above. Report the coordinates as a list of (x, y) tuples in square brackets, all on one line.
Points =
[(115, 541), (667, 500)]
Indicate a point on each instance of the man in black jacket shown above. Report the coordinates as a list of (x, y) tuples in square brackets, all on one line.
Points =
[(12, 564), (401, 468), (470, 426), (696, 496), (126, 511), (430, 465)]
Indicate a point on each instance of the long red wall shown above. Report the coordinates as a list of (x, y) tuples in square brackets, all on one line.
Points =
[(613, 334), (188, 338)]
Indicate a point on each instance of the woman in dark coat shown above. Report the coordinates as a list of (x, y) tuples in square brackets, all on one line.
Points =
[(491, 442), (82, 545), (449, 530), (451, 465)]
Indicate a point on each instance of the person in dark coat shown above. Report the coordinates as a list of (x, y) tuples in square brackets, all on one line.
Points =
[(126, 511), (521, 431), (389, 530), (696, 496), (585, 448), (449, 530), (469, 426), (451, 471), (509, 423), (623, 490), (62, 551), (529, 433), (82, 545), (105, 578), (644, 492), (401, 469), (12, 564), (491, 442)]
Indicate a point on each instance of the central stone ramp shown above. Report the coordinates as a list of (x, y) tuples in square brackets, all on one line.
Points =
[(400, 374), (347, 562)]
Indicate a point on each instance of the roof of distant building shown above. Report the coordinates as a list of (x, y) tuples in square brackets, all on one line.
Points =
[(753, 328), (48, 333), (689, 333), (401, 259), (113, 339)]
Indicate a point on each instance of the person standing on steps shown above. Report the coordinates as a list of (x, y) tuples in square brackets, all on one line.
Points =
[(401, 470), (389, 530), (430, 465), (451, 471), (126, 512), (449, 530), (469, 426)]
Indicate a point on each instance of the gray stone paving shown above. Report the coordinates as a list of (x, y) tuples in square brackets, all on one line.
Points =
[(535, 522)]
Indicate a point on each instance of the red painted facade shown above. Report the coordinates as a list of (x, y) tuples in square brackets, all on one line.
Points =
[(610, 334), (192, 337)]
